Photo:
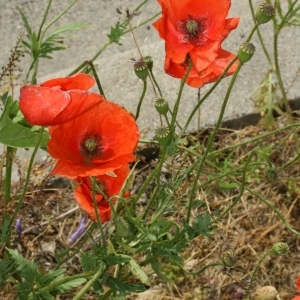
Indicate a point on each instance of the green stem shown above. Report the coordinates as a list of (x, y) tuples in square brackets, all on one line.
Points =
[(44, 19), (205, 97), (60, 282), (141, 99), (100, 272), (155, 82), (29, 70), (10, 153), (260, 37), (281, 86), (157, 189), (278, 74), (266, 202), (111, 290), (56, 19), (94, 181), (239, 196), (252, 32), (149, 178), (210, 141), (216, 178), (35, 69), (260, 137), (111, 42), (96, 78), (21, 200), (201, 270), (263, 256), (78, 248), (176, 106)]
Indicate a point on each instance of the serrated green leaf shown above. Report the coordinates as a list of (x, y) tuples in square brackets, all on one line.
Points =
[(25, 290), (4, 230), (169, 256), (138, 272), (88, 262), (62, 29), (156, 266), (120, 286), (69, 285), (202, 226), (27, 269), (52, 276), (116, 33), (115, 259), (5, 270), (15, 134), (25, 21)]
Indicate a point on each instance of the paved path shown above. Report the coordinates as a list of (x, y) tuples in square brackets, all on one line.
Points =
[(116, 72)]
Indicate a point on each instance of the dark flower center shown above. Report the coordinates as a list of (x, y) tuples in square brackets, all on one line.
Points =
[(90, 145), (193, 28)]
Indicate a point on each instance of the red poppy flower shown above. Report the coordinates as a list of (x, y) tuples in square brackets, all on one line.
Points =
[(210, 74), (98, 141), (109, 185), (298, 288), (58, 100), (196, 29)]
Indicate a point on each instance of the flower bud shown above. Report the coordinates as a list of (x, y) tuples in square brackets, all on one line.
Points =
[(161, 105), (264, 13), (149, 61), (271, 174), (141, 69), (246, 51), (229, 259), (163, 135), (280, 248), (264, 293)]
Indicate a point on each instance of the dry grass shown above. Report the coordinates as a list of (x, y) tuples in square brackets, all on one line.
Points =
[(49, 216)]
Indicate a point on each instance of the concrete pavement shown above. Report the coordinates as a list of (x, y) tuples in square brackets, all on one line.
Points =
[(116, 71)]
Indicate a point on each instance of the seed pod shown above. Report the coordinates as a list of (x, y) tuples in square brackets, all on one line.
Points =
[(280, 248), (264, 13), (246, 52), (141, 69), (161, 105), (163, 135), (149, 61), (229, 259)]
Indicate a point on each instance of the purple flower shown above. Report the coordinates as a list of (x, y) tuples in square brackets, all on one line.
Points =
[(78, 232), (19, 227)]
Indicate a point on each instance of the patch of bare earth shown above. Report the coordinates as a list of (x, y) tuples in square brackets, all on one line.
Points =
[(50, 215)]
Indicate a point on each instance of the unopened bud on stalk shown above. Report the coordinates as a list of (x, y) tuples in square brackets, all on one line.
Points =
[(163, 135), (246, 51), (229, 259), (265, 293), (149, 61), (141, 69), (280, 248), (271, 174), (264, 13), (161, 105)]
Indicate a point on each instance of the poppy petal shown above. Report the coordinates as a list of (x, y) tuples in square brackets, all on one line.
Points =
[(40, 105), (80, 102), (78, 81)]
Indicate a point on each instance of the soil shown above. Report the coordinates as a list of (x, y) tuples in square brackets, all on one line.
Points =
[(50, 215)]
